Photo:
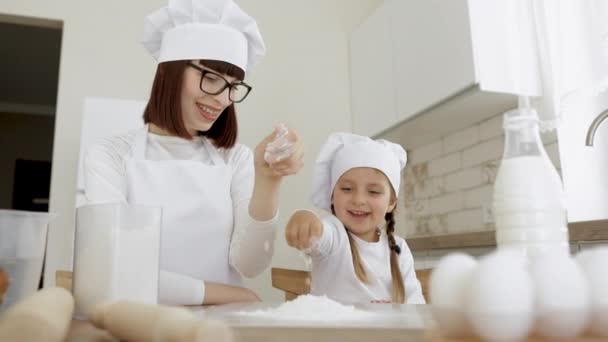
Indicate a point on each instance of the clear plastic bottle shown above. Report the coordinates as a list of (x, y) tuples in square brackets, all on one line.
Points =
[(529, 204)]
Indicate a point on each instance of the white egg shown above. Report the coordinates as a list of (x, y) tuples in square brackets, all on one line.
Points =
[(447, 287), (500, 299), (561, 296), (594, 262)]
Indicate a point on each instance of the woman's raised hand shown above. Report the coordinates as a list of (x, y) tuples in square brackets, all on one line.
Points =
[(280, 153)]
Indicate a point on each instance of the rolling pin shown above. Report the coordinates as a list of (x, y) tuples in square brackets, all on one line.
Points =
[(83, 331), (43, 316), (135, 322)]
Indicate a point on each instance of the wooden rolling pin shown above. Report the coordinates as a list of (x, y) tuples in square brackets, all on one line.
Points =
[(3, 283), (43, 316), (135, 322)]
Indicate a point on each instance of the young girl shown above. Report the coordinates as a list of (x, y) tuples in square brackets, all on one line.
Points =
[(356, 256)]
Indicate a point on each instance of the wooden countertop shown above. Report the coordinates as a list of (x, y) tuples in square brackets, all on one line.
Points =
[(579, 232)]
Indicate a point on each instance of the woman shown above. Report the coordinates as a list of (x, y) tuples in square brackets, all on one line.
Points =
[(219, 199)]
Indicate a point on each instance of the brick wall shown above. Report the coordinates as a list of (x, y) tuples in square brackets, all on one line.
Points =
[(448, 183)]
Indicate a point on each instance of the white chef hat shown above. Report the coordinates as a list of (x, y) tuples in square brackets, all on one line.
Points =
[(203, 29), (344, 151)]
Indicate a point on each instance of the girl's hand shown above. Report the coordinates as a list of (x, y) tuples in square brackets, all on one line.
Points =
[(303, 228), (286, 158)]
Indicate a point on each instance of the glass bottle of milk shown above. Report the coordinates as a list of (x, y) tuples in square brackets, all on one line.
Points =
[(529, 204)]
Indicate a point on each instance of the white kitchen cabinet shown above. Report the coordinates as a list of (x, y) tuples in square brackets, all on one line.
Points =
[(432, 49), (372, 82), (413, 72)]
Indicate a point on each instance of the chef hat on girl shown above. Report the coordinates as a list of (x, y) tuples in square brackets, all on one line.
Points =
[(344, 151), (203, 29)]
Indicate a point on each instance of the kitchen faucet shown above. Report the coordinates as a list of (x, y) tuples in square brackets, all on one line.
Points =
[(594, 126)]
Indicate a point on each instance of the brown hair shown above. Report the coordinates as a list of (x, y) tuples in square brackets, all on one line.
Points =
[(398, 286), (164, 106), (359, 270)]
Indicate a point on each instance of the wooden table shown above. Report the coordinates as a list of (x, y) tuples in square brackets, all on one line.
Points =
[(394, 322)]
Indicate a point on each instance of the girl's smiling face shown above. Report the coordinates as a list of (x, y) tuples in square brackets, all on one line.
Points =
[(361, 198)]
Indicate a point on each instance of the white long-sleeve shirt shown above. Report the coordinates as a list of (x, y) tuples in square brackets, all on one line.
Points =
[(333, 272), (250, 251)]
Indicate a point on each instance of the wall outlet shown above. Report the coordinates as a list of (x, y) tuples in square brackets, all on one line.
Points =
[(487, 213)]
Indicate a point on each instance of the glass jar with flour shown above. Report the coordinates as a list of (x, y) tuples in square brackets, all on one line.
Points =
[(116, 255)]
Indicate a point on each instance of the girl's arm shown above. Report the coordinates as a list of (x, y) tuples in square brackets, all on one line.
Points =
[(317, 237), (303, 229)]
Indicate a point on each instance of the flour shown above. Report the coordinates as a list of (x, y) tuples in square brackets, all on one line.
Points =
[(281, 147), (306, 252), (311, 308)]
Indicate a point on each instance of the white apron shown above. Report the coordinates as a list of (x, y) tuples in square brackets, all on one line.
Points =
[(197, 217)]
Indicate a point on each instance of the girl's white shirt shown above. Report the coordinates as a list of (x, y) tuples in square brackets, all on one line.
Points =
[(333, 272)]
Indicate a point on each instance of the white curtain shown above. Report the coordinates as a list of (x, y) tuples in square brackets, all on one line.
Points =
[(555, 51)]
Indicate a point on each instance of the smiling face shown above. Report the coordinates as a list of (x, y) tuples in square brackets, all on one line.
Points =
[(199, 109), (361, 198)]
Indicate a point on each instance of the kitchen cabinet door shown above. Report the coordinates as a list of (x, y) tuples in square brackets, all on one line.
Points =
[(432, 52), (372, 84)]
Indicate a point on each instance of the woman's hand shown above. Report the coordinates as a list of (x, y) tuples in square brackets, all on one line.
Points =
[(283, 157), (303, 228), (216, 293), (289, 155)]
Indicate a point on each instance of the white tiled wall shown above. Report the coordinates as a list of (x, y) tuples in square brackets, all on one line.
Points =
[(447, 183)]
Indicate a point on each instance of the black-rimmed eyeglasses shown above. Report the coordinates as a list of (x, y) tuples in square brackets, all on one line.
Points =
[(213, 84)]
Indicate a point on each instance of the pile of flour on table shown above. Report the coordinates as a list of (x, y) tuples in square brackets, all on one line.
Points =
[(311, 308)]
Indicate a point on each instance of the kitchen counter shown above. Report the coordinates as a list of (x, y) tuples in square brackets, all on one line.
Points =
[(579, 232)]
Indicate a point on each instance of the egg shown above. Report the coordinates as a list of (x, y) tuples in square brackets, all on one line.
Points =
[(500, 298), (447, 287), (561, 296), (593, 262)]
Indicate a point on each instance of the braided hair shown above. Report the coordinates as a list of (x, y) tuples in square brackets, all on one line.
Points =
[(397, 279)]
